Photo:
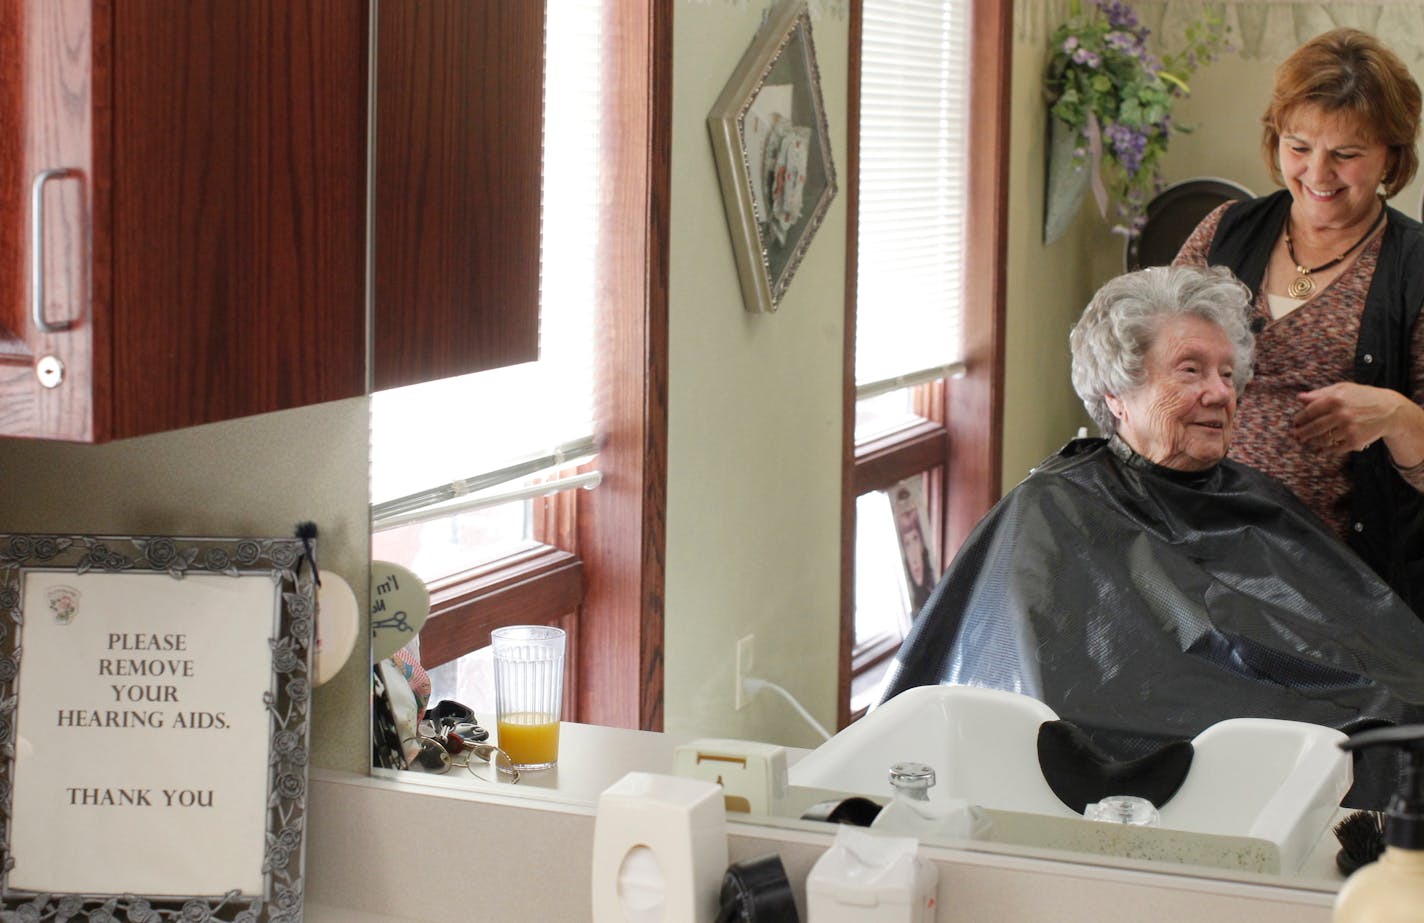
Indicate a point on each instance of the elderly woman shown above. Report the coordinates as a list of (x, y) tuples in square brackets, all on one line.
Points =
[(1146, 587)]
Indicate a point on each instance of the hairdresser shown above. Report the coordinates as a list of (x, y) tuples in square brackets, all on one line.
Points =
[(1333, 409)]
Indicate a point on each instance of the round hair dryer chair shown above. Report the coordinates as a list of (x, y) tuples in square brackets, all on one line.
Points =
[(1173, 214)]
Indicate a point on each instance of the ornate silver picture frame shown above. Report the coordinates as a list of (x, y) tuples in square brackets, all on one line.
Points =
[(773, 154), (154, 702)]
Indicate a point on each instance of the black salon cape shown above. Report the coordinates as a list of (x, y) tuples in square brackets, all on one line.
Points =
[(1145, 604)]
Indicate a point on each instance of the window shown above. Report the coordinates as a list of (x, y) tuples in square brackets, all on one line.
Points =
[(913, 129), (515, 552), (926, 256)]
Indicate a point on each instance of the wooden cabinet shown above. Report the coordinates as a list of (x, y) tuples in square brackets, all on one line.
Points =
[(183, 206), (459, 127), (182, 211)]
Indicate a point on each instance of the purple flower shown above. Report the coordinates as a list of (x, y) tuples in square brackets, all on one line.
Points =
[(1070, 43), (1123, 41), (1119, 14), (1128, 145), (1084, 56)]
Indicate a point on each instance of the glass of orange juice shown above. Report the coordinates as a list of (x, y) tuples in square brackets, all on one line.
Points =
[(528, 693)]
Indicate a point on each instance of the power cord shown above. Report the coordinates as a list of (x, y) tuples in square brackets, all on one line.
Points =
[(752, 685)]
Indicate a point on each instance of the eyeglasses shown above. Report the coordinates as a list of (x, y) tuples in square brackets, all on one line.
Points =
[(441, 752)]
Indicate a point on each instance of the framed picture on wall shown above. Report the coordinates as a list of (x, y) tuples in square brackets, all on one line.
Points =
[(918, 548), (154, 702), (772, 148)]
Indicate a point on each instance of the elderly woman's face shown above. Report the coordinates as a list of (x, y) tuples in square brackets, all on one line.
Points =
[(1182, 415)]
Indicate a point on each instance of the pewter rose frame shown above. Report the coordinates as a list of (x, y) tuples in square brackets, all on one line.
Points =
[(154, 703), (773, 155)]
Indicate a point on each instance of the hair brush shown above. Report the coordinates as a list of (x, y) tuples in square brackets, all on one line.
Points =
[(1361, 837)]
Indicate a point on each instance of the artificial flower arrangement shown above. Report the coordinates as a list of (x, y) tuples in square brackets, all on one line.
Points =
[(1111, 104)]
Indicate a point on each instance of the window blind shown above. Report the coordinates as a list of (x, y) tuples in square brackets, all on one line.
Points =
[(454, 432), (913, 148)]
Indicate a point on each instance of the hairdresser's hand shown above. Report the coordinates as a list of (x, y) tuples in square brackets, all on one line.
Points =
[(1347, 417)]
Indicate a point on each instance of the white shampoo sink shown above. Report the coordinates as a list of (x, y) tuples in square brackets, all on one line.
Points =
[(1263, 779)]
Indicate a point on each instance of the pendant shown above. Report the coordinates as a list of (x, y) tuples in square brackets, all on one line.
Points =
[(1301, 286)]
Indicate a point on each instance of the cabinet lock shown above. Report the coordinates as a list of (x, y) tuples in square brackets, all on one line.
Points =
[(50, 371)]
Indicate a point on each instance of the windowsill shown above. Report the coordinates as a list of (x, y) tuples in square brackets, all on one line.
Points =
[(591, 758)]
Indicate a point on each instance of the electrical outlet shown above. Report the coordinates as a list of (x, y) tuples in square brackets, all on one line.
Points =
[(744, 669)]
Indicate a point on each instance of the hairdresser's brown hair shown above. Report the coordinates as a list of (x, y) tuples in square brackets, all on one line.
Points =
[(1346, 71)]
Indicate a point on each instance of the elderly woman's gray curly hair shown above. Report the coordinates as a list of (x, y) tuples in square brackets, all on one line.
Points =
[(1111, 339)]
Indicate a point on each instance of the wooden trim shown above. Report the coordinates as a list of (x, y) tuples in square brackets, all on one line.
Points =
[(515, 565), (493, 576), (657, 268), (621, 535), (542, 587), (883, 464), (845, 671), (976, 401), (875, 651), (556, 518)]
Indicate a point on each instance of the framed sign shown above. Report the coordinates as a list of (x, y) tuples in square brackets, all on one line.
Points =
[(773, 154), (154, 701)]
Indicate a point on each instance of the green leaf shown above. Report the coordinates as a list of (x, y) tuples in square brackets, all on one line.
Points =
[(1123, 90), (1174, 80)]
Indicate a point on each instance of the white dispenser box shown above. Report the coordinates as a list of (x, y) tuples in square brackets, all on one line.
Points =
[(659, 850), (752, 774), (868, 878)]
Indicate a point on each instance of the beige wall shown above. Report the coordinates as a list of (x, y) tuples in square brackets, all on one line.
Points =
[(254, 477), (754, 432)]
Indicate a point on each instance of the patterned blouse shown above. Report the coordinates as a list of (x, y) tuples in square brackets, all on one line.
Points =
[(1309, 348)]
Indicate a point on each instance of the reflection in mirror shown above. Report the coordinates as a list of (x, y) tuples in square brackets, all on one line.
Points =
[(526, 541), (466, 472), (772, 148)]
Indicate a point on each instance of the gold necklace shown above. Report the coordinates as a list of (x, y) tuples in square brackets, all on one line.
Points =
[(1303, 286)]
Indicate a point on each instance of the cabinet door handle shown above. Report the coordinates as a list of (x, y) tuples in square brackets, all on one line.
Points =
[(37, 242)]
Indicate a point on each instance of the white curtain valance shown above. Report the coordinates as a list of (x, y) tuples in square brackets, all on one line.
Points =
[(1266, 30), (819, 9)]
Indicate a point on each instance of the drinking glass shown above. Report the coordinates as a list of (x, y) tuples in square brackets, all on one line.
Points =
[(528, 693)]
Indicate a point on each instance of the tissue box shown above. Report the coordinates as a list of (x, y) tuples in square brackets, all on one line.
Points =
[(866, 878), (752, 775), (659, 850)]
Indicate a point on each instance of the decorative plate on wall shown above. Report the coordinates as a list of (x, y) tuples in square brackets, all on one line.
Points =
[(772, 148)]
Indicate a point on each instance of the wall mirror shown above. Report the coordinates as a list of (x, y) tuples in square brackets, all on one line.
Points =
[(528, 529)]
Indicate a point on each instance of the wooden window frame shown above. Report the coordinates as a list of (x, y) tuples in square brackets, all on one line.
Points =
[(540, 584), (601, 576), (961, 441)]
